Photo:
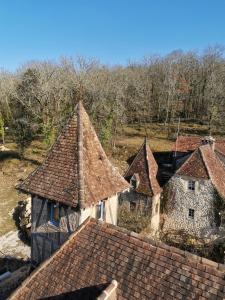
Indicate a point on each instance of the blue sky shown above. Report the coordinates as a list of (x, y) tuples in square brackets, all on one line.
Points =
[(114, 31)]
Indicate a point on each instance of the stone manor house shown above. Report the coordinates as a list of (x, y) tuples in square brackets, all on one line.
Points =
[(194, 198)]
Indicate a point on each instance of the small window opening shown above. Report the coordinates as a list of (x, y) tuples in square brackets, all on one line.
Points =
[(191, 185), (54, 214), (100, 210), (133, 206), (134, 181), (191, 213), (157, 208)]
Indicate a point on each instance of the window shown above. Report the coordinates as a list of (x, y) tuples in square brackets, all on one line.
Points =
[(157, 208), (191, 185), (134, 181), (100, 210), (132, 206), (54, 214), (191, 213)]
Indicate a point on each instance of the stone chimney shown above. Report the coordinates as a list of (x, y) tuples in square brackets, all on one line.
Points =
[(110, 292), (209, 140)]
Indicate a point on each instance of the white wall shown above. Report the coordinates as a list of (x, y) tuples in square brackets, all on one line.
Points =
[(155, 218), (111, 211), (111, 206)]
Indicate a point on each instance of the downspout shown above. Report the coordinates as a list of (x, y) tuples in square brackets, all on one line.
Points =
[(80, 157)]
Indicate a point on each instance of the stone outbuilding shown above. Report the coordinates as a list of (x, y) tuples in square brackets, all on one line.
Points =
[(75, 181), (194, 196), (144, 194), (103, 261)]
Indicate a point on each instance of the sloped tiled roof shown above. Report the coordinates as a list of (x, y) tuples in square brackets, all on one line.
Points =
[(204, 163), (76, 169), (98, 253), (191, 143), (145, 166)]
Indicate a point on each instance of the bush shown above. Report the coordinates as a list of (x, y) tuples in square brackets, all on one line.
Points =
[(132, 221)]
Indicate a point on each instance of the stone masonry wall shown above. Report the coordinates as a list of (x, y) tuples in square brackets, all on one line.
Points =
[(143, 202), (180, 200)]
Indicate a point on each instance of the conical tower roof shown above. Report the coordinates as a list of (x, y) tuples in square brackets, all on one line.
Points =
[(76, 170), (145, 166)]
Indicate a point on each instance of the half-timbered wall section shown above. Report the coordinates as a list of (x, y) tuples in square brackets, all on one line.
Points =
[(46, 236)]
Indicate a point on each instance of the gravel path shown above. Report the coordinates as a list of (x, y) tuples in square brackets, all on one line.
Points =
[(12, 246)]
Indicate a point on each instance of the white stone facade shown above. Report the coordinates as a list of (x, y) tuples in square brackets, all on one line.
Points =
[(179, 200), (111, 211)]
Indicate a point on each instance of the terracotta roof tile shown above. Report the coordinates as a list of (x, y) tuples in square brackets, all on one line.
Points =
[(145, 166), (98, 253), (76, 167), (194, 166), (204, 163), (191, 143)]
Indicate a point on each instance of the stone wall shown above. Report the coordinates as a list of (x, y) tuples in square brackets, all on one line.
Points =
[(145, 205), (155, 216), (143, 202), (178, 200)]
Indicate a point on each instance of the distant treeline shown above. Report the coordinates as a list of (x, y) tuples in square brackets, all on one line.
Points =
[(37, 98)]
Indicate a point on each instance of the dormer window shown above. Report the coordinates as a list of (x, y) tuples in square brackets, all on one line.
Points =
[(54, 217), (134, 181), (191, 185)]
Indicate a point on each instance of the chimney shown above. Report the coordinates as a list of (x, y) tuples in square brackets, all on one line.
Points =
[(110, 293), (209, 140)]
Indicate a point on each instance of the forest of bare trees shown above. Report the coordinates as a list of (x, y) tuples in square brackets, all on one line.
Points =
[(36, 99)]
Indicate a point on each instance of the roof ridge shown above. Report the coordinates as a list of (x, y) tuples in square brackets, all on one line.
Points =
[(80, 156), (134, 159), (158, 244), (148, 166), (205, 161)]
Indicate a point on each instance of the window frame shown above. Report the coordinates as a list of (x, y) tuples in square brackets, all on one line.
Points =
[(100, 210), (192, 185), (191, 213), (52, 219), (133, 206)]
